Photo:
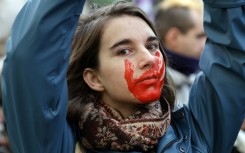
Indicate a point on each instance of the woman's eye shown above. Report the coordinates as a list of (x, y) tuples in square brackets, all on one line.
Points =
[(123, 52), (152, 47)]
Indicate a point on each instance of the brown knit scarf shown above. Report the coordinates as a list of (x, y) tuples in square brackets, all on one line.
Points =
[(103, 128)]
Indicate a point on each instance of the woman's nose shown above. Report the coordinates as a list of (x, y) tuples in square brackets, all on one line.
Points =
[(146, 59)]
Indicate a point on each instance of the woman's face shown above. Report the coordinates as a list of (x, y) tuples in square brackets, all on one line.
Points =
[(131, 66)]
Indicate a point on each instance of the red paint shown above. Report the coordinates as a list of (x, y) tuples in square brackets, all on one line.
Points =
[(147, 88)]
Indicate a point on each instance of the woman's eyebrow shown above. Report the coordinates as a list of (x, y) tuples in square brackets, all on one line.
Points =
[(152, 38), (122, 42), (128, 41)]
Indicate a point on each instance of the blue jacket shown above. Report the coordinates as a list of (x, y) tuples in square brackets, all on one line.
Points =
[(34, 83)]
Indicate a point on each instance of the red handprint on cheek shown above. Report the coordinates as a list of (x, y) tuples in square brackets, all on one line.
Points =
[(147, 88)]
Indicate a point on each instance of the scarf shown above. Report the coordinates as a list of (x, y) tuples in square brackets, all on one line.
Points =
[(182, 64), (103, 128)]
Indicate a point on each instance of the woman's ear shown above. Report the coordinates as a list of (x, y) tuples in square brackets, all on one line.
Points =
[(91, 77)]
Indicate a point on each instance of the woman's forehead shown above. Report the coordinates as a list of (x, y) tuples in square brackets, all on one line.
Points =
[(126, 27)]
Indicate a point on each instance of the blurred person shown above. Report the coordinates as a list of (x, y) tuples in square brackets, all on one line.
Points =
[(180, 26), (179, 23), (112, 93)]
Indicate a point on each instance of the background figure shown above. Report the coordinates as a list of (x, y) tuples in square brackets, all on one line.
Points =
[(179, 24), (8, 12)]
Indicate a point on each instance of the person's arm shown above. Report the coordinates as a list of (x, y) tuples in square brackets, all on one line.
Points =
[(217, 98), (34, 86)]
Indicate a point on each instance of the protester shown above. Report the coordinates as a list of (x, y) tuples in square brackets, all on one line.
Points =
[(116, 82)]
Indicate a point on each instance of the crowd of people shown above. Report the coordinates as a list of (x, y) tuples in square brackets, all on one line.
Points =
[(166, 41)]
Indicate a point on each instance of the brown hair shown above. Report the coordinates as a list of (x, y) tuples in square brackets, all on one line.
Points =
[(176, 13), (85, 50)]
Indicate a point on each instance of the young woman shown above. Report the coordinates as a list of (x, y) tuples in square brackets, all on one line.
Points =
[(118, 91)]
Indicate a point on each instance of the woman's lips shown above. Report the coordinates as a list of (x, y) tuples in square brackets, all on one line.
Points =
[(152, 79)]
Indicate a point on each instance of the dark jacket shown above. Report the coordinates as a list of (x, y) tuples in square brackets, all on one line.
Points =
[(34, 86)]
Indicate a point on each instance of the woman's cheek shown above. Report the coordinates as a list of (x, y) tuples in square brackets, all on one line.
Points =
[(148, 90)]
